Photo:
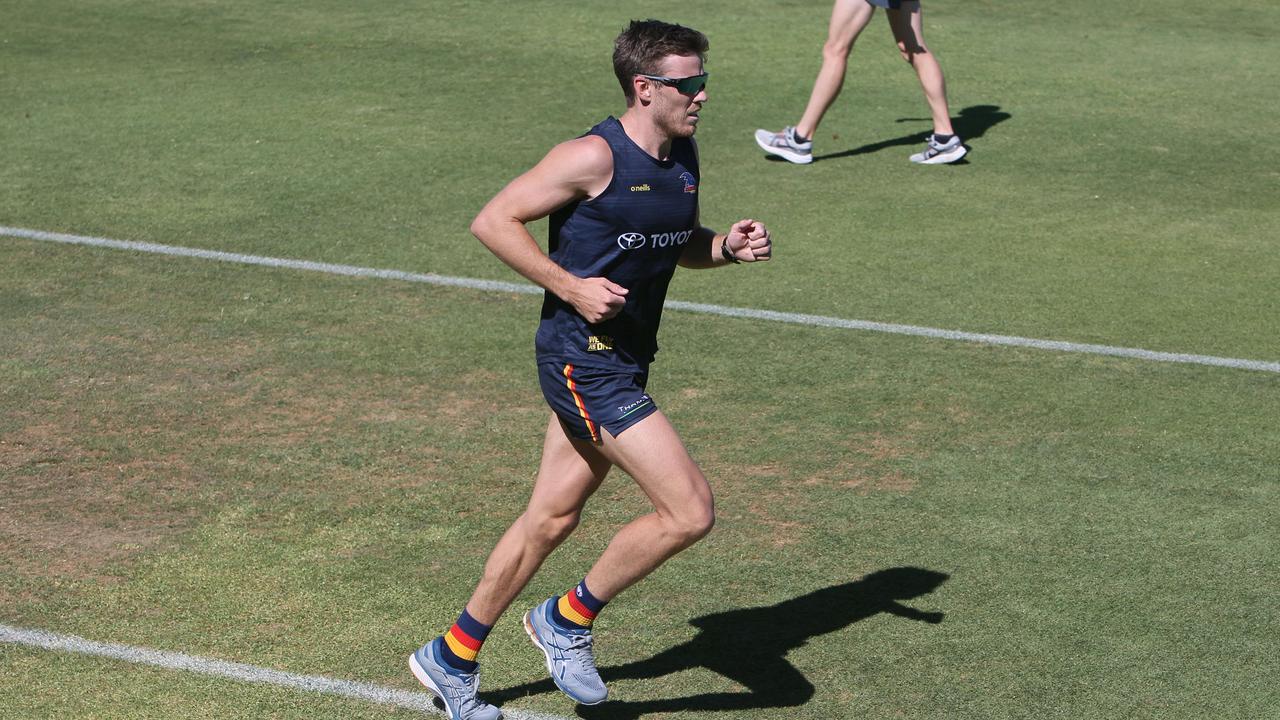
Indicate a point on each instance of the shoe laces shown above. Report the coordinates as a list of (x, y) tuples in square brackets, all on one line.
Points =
[(582, 648), (463, 690)]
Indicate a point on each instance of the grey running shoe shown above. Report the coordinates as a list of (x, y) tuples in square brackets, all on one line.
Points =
[(569, 658), (936, 153), (457, 689), (784, 145)]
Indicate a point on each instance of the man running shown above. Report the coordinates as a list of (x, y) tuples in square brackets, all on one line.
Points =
[(623, 206)]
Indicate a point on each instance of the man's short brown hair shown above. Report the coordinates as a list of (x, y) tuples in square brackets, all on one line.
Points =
[(640, 48)]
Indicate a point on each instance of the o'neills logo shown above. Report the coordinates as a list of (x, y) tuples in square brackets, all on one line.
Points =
[(635, 241)]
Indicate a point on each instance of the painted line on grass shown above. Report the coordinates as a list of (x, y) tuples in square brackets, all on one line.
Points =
[(703, 308), (420, 701)]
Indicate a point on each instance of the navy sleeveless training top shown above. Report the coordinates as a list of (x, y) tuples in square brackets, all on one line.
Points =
[(633, 234)]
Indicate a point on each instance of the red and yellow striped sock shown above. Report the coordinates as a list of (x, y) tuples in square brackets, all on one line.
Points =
[(577, 608), (462, 643)]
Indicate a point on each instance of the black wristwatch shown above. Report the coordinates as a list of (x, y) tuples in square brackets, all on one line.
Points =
[(727, 253)]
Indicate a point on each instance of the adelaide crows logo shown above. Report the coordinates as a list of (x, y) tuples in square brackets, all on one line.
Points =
[(690, 185)]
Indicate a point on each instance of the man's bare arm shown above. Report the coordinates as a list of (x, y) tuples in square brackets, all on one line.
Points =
[(747, 241), (573, 170)]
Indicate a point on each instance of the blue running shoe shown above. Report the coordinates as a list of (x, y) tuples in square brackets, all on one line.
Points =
[(455, 688), (569, 658)]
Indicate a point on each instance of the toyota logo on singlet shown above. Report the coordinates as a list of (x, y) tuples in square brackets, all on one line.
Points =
[(630, 241)]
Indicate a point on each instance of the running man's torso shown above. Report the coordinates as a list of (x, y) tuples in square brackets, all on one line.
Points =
[(632, 233)]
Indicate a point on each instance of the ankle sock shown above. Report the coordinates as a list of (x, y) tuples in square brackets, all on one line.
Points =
[(942, 139), (577, 608), (462, 643)]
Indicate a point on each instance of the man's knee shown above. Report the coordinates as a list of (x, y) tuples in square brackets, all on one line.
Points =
[(693, 522), (700, 526), (549, 530)]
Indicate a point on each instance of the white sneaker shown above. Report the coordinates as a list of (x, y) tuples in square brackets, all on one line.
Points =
[(784, 145), (936, 153)]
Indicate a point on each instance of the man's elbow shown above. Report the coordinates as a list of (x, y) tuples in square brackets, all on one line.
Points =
[(486, 227), (479, 226)]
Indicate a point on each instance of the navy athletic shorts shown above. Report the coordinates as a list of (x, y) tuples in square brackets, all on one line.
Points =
[(586, 399), (895, 4)]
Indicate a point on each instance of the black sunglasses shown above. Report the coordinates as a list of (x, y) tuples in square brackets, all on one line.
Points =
[(691, 85)]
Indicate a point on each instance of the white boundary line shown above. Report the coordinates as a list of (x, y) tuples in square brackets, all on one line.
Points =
[(237, 671), (703, 308)]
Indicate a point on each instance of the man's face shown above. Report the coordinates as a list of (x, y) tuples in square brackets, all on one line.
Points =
[(674, 111)]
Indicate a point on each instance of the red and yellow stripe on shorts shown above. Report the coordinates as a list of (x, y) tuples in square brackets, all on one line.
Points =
[(582, 409)]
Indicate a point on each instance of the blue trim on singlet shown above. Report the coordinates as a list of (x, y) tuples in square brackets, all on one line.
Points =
[(631, 233)]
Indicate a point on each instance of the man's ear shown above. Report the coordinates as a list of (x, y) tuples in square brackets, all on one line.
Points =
[(643, 88)]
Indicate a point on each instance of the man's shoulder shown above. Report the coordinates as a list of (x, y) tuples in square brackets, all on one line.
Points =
[(583, 151), (588, 148), (585, 159)]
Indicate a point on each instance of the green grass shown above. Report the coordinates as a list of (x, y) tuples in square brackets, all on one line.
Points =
[(305, 472)]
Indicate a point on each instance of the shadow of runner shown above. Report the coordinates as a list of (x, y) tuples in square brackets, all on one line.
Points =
[(972, 123), (749, 646)]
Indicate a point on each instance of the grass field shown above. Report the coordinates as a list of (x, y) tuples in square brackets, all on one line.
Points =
[(304, 472)]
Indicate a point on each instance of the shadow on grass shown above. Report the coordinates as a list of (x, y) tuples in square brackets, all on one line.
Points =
[(749, 646), (971, 124)]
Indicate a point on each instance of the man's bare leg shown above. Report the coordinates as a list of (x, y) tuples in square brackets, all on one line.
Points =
[(570, 472), (653, 454)]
